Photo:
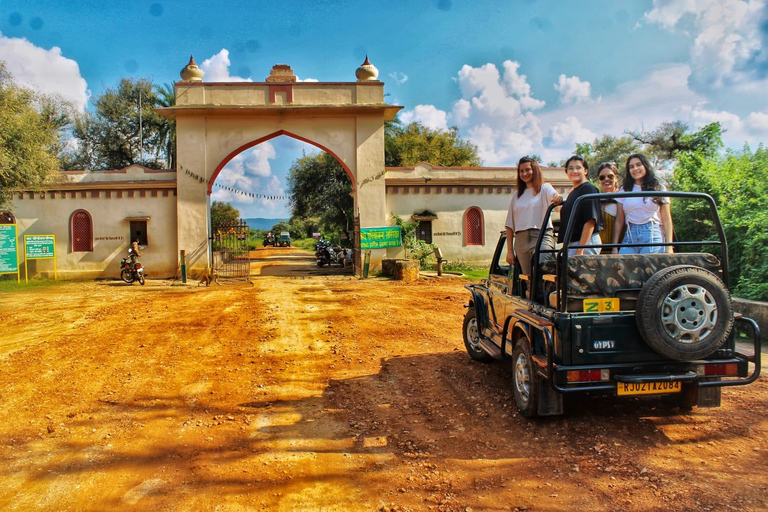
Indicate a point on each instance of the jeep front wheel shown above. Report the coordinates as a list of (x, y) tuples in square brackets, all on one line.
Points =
[(525, 379), (684, 312), (472, 338)]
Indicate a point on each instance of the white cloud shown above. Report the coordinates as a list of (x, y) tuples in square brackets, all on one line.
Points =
[(573, 90), (47, 71), (569, 132), (758, 121), (398, 77), (216, 69), (496, 111), (250, 172), (727, 37), (307, 79), (427, 115)]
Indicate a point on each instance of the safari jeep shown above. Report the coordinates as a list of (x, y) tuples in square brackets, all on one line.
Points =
[(622, 324)]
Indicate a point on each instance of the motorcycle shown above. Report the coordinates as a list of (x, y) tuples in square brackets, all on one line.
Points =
[(326, 254), (131, 269)]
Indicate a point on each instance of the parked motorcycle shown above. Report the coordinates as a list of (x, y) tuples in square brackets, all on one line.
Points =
[(326, 254), (131, 269)]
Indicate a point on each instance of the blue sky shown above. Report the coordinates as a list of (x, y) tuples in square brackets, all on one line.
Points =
[(516, 76)]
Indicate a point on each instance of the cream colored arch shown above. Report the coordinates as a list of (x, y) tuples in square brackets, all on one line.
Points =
[(216, 121)]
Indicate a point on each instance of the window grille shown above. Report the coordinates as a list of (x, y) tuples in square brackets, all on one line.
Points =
[(81, 232)]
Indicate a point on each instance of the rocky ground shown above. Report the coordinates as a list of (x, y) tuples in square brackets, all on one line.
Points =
[(314, 391)]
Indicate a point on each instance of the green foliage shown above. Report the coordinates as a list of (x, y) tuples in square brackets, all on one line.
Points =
[(320, 188), (223, 214), (413, 143), (118, 134), (414, 247), (31, 126), (738, 181), (663, 145), (607, 149)]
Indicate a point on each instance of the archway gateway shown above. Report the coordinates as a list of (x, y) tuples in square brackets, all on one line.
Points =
[(217, 121)]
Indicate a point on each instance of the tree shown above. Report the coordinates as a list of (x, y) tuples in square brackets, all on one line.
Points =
[(670, 139), (31, 126), (608, 149), (321, 188), (166, 97), (413, 143), (223, 214), (118, 134), (738, 181)]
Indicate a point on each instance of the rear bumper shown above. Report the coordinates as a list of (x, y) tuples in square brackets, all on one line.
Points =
[(656, 372)]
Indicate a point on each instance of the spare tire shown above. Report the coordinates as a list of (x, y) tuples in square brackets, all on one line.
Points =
[(684, 312)]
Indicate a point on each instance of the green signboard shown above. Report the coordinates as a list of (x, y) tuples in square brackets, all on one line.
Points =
[(379, 238), (9, 258), (38, 247)]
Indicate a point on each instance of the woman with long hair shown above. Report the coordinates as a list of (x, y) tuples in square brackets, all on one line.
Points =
[(588, 220), (526, 214), (608, 178), (648, 219)]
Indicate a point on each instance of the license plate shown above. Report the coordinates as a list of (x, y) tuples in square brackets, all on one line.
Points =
[(600, 305), (648, 388)]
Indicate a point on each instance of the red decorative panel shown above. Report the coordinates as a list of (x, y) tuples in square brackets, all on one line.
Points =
[(81, 232), (473, 226)]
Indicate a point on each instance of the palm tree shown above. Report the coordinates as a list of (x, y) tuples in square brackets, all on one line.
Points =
[(166, 97)]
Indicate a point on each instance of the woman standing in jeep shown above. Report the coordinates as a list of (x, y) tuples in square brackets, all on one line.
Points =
[(588, 221), (648, 219), (527, 210)]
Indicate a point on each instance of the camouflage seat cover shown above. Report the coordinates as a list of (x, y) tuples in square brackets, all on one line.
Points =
[(605, 274), (618, 275)]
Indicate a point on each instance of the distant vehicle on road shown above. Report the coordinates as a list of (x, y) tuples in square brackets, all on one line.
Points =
[(285, 239)]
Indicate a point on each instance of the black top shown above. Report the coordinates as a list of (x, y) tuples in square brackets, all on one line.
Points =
[(588, 210)]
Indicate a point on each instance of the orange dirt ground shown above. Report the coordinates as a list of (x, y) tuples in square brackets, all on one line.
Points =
[(313, 390)]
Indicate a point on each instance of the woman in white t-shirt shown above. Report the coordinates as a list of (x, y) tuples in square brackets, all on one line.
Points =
[(526, 214), (648, 219)]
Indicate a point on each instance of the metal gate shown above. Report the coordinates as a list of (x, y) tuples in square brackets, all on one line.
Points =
[(230, 252)]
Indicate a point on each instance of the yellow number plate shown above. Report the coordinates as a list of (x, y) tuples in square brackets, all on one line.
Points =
[(600, 305), (648, 388)]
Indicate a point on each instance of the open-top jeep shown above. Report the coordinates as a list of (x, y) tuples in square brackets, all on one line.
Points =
[(623, 324)]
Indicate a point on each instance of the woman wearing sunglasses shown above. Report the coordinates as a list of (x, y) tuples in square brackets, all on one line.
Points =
[(608, 178), (527, 210), (648, 219)]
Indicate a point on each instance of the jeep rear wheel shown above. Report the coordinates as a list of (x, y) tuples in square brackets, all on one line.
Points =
[(472, 338), (684, 312), (525, 379)]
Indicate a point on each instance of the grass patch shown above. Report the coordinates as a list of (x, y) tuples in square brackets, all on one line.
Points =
[(308, 244), (471, 272), (11, 285)]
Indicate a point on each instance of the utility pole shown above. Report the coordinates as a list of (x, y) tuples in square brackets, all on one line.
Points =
[(141, 132)]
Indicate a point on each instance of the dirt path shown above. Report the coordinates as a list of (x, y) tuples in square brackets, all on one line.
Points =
[(326, 393)]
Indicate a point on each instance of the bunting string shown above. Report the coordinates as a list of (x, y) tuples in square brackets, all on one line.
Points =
[(201, 179)]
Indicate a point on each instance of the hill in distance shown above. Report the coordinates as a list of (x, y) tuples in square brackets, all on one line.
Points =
[(263, 224)]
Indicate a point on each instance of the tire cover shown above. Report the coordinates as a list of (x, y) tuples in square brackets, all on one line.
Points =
[(684, 312)]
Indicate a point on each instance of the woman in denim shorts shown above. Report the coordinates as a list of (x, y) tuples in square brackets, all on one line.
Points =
[(648, 219)]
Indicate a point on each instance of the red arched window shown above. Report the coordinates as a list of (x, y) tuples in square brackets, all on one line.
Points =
[(81, 231), (7, 218), (474, 232)]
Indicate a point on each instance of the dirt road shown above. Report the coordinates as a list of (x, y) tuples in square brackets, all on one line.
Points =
[(311, 392)]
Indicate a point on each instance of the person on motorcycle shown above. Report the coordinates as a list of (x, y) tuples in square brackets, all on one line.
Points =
[(133, 251)]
